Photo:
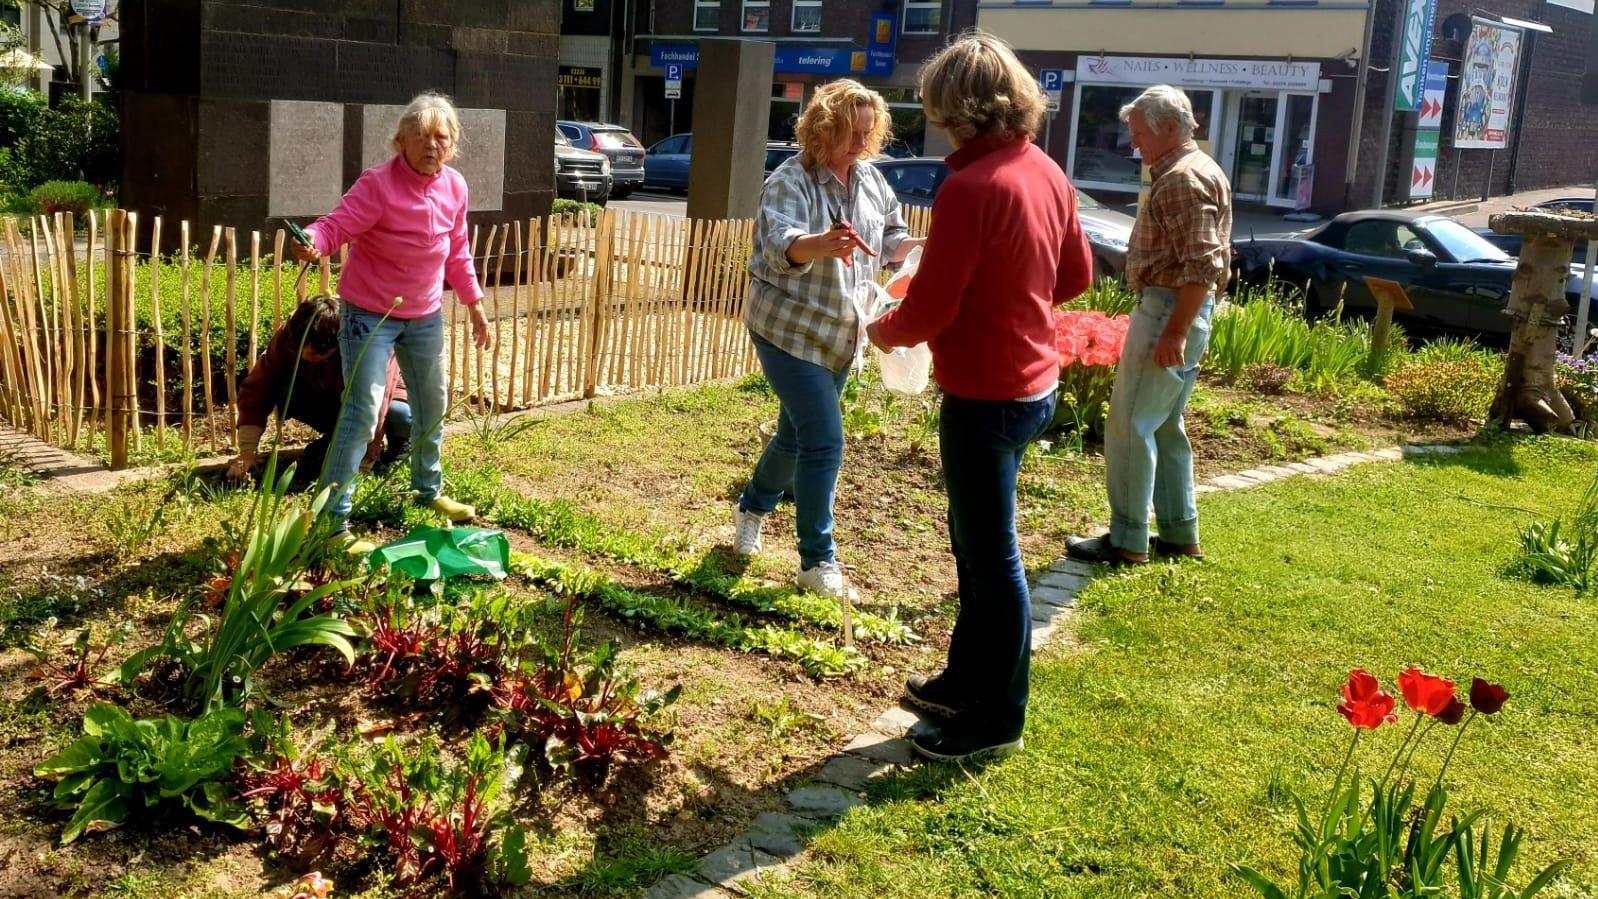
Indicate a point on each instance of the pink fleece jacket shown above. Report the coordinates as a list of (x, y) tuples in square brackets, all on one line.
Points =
[(407, 234)]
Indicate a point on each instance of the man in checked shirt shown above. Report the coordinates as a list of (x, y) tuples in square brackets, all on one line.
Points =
[(1178, 261)]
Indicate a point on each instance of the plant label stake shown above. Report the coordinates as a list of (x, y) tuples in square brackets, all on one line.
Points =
[(1389, 296)]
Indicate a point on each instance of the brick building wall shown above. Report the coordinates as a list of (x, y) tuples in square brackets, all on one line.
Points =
[(1558, 143), (839, 18), (244, 113)]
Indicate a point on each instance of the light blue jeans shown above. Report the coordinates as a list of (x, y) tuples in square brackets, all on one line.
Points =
[(366, 340), (806, 452), (1147, 457)]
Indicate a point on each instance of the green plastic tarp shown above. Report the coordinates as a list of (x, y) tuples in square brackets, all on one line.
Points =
[(430, 554)]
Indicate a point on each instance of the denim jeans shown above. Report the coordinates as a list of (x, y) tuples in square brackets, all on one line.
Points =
[(366, 341), (806, 452), (990, 652), (1147, 457)]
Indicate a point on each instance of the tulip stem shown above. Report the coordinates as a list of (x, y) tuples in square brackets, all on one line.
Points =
[(1449, 758), (1431, 723), (1337, 784), (1399, 754)]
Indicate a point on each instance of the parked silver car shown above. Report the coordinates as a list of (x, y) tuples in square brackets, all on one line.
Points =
[(580, 174), (625, 153)]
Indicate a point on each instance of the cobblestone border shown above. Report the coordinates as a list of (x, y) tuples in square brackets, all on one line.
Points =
[(777, 839)]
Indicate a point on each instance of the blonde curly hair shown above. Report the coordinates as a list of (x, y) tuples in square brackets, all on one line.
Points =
[(977, 86), (828, 121)]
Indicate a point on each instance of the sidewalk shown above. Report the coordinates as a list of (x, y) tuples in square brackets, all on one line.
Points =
[(1474, 213)]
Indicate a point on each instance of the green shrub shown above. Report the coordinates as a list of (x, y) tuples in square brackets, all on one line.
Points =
[(77, 141), (19, 114), (567, 207), (76, 197), (1451, 390), (1108, 297), (1553, 553)]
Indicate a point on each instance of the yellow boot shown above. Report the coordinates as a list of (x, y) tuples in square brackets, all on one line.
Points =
[(348, 543), (457, 513)]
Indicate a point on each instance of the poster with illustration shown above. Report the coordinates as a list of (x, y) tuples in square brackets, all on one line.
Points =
[(1486, 86)]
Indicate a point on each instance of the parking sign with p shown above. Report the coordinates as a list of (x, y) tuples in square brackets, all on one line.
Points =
[(1053, 83)]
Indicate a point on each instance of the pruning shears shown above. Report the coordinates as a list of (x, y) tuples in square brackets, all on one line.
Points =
[(838, 221)]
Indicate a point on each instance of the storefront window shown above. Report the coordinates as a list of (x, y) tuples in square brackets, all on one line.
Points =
[(1103, 152), (806, 16), (707, 15), (757, 15), (787, 101)]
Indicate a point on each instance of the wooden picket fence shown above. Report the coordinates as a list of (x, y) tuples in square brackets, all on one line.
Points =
[(105, 345)]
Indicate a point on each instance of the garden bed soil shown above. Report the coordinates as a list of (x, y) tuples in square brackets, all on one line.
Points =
[(747, 726)]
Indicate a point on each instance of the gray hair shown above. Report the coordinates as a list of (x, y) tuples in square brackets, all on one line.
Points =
[(426, 113), (1160, 104)]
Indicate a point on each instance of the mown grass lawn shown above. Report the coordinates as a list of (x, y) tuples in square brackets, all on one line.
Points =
[(1166, 739)]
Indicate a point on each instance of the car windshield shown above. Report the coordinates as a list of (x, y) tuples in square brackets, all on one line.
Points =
[(1083, 201), (562, 139), (1464, 244)]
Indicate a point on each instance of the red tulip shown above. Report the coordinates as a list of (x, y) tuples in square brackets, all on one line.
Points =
[(1454, 713), (1487, 698), (1364, 704), (1425, 692)]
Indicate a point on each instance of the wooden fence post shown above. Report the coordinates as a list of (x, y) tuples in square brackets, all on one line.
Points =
[(119, 323), (598, 298)]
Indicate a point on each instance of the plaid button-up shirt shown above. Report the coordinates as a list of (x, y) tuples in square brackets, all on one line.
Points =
[(808, 311), (1183, 233)]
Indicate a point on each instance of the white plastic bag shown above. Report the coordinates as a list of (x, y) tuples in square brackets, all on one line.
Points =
[(905, 370)]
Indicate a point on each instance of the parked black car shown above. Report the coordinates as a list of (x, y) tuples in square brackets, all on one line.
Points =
[(1510, 243), (580, 174), (915, 181), (625, 153), (1457, 281)]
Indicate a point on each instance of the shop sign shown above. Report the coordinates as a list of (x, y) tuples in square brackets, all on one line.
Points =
[(1269, 74), (1423, 152), (1431, 101), (877, 60), (1414, 49), (1486, 86), (580, 76)]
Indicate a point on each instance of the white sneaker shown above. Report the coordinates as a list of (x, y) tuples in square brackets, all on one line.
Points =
[(825, 579), (746, 542)]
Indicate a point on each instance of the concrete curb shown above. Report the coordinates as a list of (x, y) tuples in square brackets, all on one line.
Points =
[(776, 839)]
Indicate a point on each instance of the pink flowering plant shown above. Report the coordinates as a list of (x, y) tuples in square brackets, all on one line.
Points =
[(1089, 343)]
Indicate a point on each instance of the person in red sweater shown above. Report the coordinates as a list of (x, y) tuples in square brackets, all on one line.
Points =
[(1005, 248)]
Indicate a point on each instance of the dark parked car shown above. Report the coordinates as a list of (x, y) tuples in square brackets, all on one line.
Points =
[(915, 181), (626, 154), (1457, 281), (580, 174), (1510, 243), (666, 166)]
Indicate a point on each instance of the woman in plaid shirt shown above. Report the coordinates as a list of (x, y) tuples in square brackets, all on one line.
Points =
[(827, 220)]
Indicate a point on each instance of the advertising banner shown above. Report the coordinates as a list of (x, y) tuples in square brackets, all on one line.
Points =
[(1487, 86), (1414, 49)]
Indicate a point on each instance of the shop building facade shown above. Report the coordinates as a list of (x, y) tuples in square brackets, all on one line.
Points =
[(1291, 95)]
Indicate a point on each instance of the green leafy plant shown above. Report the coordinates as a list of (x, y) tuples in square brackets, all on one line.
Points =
[(75, 141), (1552, 552), (121, 765), (1445, 389), (1265, 325), (269, 605)]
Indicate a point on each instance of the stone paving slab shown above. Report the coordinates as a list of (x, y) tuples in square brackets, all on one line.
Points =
[(734, 862), (823, 800), (677, 886), (881, 748), (1053, 596), (1065, 580), (1233, 482), (896, 721), (779, 835), (851, 771)]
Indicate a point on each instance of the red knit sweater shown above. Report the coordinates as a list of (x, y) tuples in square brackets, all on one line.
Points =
[(1005, 248)]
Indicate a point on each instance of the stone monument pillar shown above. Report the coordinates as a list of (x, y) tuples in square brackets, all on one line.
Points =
[(732, 112)]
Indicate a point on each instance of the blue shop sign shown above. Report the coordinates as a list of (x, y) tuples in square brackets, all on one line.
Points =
[(877, 61)]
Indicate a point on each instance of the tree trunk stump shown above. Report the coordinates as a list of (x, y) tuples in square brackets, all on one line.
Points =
[(1537, 307)]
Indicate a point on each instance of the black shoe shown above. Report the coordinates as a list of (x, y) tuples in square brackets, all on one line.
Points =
[(963, 737), (1100, 551), (393, 454), (932, 695), (1176, 550)]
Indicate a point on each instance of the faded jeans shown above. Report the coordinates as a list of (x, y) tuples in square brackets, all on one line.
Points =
[(366, 341), (1147, 457)]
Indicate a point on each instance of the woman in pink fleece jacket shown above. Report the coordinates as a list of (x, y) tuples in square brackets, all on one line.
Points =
[(405, 224)]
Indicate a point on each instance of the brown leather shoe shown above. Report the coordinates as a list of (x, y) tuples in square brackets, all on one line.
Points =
[(1100, 551), (1176, 550)]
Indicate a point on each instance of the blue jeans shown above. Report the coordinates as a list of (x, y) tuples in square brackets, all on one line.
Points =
[(366, 340), (1147, 457), (806, 452), (990, 652)]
